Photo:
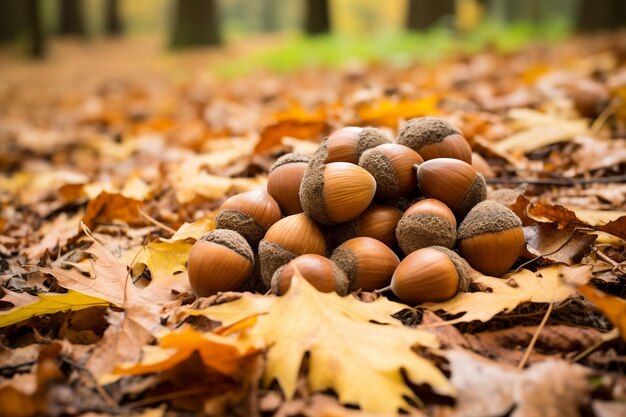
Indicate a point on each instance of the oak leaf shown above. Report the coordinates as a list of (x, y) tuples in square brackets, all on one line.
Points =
[(355, 348), (108, 207), (548, 285)]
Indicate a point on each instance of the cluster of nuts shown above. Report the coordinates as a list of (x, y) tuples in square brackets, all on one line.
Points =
[(364, 213)]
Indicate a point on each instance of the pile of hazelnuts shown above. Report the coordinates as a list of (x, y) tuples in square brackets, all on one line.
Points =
[(364, 213)]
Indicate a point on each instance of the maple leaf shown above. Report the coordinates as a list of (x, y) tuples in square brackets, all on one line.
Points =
[(355, 348), (548, 285), (27, 306)]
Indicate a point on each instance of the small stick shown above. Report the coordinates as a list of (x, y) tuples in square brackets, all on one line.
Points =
[(382, 290), (531, 345), (557, 181), (156, 222), (612, 335)]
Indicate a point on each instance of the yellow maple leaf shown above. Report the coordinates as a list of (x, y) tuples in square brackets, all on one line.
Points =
[(355, 348), (29, 306), (552, 284)]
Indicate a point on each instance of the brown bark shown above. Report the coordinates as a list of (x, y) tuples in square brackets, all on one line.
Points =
[(196, 23), (317, 17), (424, 13)]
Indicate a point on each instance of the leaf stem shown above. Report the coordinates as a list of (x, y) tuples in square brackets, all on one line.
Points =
[(531, 345)]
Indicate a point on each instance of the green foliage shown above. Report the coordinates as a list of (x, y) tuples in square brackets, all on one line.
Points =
[(396, 48)]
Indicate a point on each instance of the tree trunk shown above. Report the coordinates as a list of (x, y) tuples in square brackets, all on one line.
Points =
[(33, 26), (9, 18), (113, 25), (71, 19), (317, 18), (269, 16), (424, 13), (595, 15), (196, 23)]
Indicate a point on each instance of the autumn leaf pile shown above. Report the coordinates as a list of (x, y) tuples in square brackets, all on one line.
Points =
[(109, 175)]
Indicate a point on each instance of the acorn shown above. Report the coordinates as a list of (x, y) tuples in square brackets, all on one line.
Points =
[(368, 263), (319, 271), (430, 275), (336, 192), (480, 165), (453, 182), (287, 239), (426, 223), (221, 260), (348, 144), (391, 165), (283, 181), (250, 214), (433, 137), (491, 238)]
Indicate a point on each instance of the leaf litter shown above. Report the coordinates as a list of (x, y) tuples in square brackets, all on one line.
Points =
[(143, 162)]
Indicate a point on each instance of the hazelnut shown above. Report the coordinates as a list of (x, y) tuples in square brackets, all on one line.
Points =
[(283, 181), (491, 238), (368, 263), (221, 260), (288, 238), (426, 223), (348, 143), (336, 192), (391, 165), (453, 182), (430, 275), (319, 271), (433, 137), (250, 214)]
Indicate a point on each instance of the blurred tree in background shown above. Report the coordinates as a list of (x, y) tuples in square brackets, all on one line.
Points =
[(196, 23), (113, 24), (317, 17), (422, 14), (72, 18), (601, 14)]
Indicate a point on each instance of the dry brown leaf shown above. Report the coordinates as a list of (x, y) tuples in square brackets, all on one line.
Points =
[(486, 388), (108, 207), (565, 245)]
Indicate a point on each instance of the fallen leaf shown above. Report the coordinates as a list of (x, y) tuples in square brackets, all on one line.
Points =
[(386, 112), (45, 304), (167, 263), (193, 231), (108, 207), (614, 308), (552, 284), (295, 123), (218, 353), (355, 348), (554, 244), (545, 130), (488, 388)]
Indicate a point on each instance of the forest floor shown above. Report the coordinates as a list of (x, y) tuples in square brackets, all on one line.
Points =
[(116, 157)]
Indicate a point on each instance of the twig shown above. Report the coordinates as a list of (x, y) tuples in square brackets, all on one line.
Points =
[(616, 268), (557, 181), (612, 335), (531, 345), (166, 397), (156, 222), (607, 112)]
